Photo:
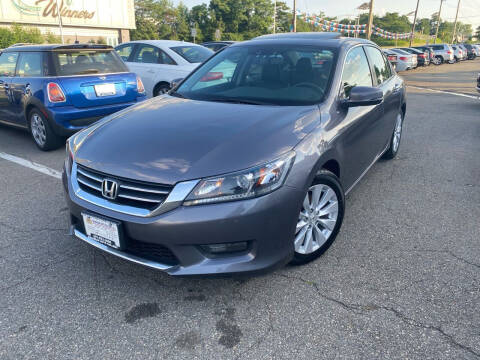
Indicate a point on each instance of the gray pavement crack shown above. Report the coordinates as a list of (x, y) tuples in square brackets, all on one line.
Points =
[(361, 309), (43, 269), (449, 252)]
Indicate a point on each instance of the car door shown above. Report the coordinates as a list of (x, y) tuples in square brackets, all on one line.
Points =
[(391, 87), (28, 79), (357, 124), (152, 64), (8, 62)]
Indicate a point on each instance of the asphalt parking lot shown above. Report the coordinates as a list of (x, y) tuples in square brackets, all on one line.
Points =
[(402, 280)]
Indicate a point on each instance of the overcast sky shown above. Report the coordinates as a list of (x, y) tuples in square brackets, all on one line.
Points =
[(469, 9)]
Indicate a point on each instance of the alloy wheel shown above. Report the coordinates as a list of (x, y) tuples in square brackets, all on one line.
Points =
[(397, 133), (317, 219), (38, 130)]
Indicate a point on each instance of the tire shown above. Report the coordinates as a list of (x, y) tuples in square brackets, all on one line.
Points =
[(319, 228), (438, 60), (160, 89), (395, 139), (42, 133)]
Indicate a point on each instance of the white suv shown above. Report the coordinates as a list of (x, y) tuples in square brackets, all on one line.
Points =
[(443, 53), (159, 62)]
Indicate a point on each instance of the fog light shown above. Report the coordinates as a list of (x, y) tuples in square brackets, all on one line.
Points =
[(225, 248)]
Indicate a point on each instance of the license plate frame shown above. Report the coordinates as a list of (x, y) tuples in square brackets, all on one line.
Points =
[(105, 89), (103, 230)]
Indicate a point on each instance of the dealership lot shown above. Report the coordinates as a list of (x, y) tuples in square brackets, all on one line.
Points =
[(401, 281)]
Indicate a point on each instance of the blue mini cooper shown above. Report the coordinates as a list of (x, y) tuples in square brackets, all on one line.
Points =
[(55, 90)]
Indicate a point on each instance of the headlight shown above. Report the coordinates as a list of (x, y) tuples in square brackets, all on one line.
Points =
[(241, 185)]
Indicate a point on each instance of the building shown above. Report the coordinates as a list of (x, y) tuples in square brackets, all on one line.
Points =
[(82, 20)]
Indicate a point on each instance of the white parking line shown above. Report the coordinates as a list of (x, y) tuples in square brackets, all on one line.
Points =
[(446, 92), (32, 165)]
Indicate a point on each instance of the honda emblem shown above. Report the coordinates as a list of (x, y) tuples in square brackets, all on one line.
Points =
[(109, 189)]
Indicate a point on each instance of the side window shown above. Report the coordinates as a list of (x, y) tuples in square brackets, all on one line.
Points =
[(148, 54), (378, 63), (8, 61), (30, 64), (356, 71), (165, 59), (124, 51)]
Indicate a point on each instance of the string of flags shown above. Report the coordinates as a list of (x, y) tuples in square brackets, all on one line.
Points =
[(333, 26)]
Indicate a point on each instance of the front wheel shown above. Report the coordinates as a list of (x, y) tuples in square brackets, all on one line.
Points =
[(320, 218), (395, 139), (42, 132), (438, 60)]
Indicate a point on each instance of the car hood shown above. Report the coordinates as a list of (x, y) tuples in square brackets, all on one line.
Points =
[(168, 139)]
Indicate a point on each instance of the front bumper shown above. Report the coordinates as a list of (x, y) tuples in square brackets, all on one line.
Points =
[(267, 223)]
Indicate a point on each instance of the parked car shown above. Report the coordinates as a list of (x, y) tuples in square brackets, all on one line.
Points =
[(55, 90), (443, 53), (392, 57), (159, 62), (217, 45), (477, 49), (405, 60), (478, 82), (471, 52), (431, 53), (458, 53), (244, 175), (423, 57)]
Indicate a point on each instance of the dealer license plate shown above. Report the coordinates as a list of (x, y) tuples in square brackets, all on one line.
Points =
[(105, 89), (102, 230)]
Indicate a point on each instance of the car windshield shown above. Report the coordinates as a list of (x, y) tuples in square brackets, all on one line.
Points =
[(267, 74), (82, 62), (193, 54)]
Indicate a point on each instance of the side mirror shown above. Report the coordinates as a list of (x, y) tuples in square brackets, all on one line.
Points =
[(363, 96), (175, 82)]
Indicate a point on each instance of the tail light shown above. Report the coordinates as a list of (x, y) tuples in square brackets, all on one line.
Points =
[(422, 56), (140, 87), (403, 58), (55, 93), (449, 52)]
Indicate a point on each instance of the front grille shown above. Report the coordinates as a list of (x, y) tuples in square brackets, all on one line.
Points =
[(154, 252), (132, 193)]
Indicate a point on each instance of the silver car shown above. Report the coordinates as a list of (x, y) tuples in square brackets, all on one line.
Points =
[(405, 61), (443, 53)]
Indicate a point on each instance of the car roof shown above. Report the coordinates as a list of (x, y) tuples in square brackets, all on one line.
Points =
[(330, 39), (51, 47), (161, 42), (219, 42)]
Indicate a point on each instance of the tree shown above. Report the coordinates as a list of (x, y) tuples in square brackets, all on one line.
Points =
[(477, 33)]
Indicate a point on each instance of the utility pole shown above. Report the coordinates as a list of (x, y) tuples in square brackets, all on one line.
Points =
[(438, 21), (357, 31), (370, 20), (275, 16), (413, 25), (294, 15), (455, 26), (60, 21)]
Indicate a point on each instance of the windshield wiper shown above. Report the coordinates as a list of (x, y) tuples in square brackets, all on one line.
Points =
[(177, 94), (238, 101)]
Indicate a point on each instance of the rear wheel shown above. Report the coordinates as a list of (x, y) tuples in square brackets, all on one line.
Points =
[(320, 218), (161, 89), (42, 132), (438, 60)]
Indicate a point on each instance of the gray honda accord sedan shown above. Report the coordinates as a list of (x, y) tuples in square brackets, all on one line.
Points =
[(245, 164)]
